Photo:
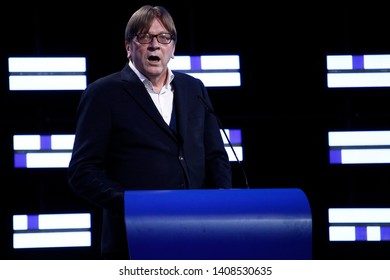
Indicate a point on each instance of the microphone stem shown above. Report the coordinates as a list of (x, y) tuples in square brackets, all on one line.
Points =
[(211, 111)]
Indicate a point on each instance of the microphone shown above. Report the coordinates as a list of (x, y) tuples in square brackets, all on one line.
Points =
[(211, 111)]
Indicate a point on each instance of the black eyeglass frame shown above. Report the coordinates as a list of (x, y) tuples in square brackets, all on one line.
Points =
[(148, 38)]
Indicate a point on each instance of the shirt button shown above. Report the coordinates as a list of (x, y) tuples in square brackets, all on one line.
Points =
[(181, 158)]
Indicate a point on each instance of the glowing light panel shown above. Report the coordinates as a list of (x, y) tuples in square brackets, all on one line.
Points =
[(47, 73)]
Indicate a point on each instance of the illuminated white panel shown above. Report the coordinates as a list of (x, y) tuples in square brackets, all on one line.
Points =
[(220, 62), (47, 82), (227, 79), (370, 61), (20, 222), (27, 142), (358, 138), (343, 80), (373, 233), (62, 142), (47, 64), (52, 221), (225, 140), (377, 61), (48, 160), (342, 233), (51, 239), (237, 150), (338, 62), (359, 215), (33, 142), (180, 63), (47, 73), (64, 221), (365, 156)]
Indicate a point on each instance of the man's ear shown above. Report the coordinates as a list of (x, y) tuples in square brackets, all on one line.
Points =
[(173, 52)]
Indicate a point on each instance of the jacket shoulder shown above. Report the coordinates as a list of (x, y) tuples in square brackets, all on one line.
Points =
[(186, 78)]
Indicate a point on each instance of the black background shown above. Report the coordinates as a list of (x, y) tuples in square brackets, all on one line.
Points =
[(283, 106)]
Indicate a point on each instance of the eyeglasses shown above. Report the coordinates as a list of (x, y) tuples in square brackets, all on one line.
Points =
[(162, 38)]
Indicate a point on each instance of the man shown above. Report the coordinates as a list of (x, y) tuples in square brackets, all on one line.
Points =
[(144, 127)]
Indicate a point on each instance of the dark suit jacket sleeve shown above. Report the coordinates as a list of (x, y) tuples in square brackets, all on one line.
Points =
[(87, 172)]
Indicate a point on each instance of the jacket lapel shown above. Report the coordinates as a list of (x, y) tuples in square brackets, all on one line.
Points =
[(136, 89)]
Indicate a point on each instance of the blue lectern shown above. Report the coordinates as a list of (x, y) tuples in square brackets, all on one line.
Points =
[(218, 224)]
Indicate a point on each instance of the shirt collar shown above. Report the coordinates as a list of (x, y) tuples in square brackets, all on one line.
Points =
[(145, 80)]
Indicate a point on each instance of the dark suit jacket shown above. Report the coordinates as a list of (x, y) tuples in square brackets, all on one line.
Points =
[(123, 143)]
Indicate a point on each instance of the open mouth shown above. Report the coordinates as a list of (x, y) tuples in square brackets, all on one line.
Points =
[(153, 58)]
